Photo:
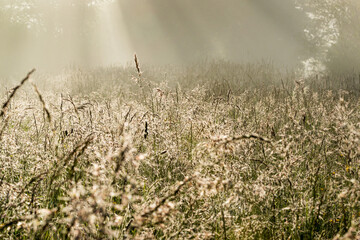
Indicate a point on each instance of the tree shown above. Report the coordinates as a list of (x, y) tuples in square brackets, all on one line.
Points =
[(333, 32), (344, 56)]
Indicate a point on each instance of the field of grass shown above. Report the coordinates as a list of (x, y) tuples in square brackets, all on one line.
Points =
[(212, 151)]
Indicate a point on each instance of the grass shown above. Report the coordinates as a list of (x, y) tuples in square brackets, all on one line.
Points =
[(213, 151)]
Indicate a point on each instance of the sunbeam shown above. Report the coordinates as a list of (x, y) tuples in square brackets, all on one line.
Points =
[(100, 33)]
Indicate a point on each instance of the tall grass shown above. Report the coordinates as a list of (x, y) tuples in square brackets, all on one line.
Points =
[(217, 151)]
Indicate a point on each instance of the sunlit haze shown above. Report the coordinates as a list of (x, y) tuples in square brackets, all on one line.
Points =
[(55, 34)]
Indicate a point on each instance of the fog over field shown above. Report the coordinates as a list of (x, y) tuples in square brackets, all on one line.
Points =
[(53, 34)]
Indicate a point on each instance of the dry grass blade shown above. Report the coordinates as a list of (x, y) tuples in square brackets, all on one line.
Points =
[(6, 121), (79, 148), (37, 178), (164, 199), (245, 136), (6, 104), (137, 65), (74, 106), (42, 102), (32, 180), (253, 136)]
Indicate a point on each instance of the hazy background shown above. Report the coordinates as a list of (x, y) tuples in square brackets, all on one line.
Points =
[(52, 34)]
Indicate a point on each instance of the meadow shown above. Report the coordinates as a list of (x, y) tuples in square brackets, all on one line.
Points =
[(215, 150)]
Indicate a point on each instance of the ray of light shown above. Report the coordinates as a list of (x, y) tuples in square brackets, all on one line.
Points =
[(149, 40), (103, 32)]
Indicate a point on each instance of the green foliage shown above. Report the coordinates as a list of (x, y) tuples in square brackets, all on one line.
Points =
[(332, 31)]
